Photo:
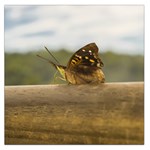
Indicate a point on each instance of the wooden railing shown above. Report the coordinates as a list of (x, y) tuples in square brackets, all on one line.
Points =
[(109, 113)]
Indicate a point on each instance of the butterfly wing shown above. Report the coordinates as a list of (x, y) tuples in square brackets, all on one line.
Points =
[(86, 57), (85, 65)]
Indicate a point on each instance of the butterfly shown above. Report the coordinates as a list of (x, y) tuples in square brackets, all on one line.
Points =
[(84, 67)]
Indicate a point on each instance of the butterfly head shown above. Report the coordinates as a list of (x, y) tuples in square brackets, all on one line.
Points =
[(60, 68)]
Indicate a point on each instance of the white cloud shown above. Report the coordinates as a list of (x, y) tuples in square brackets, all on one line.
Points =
[(75, 26)]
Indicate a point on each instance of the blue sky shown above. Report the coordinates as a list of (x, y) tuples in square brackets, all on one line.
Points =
[(118, 28)]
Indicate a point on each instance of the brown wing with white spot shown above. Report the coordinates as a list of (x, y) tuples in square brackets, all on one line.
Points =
[(85, 59)]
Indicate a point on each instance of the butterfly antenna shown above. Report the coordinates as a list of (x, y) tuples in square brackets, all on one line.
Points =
[(47, 60), (52, 55)]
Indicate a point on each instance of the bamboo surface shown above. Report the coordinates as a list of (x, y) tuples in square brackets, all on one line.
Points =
[(109, 113)]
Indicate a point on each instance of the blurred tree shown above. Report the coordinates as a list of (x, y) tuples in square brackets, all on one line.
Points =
[(27, 68)]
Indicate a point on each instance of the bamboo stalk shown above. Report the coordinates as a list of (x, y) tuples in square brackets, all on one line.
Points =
[(109, 113)]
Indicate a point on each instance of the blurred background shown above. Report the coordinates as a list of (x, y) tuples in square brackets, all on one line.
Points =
[(117, 30)]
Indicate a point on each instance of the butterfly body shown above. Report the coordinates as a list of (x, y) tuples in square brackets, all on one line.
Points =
[(95, 76), (84, 66)]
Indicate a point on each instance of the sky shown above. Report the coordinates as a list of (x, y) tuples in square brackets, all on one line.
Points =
[(119, 28)]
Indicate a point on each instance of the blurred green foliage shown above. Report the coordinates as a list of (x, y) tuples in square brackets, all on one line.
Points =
[(21, 69)]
